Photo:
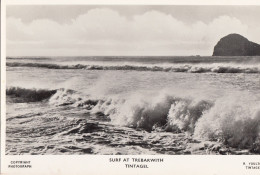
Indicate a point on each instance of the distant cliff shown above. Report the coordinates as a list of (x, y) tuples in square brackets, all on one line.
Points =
[(236, 45)]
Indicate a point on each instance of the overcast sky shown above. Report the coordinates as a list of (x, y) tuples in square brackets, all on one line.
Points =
[(125, 30)]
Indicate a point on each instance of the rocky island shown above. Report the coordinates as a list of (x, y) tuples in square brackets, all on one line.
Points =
[(236, 45)]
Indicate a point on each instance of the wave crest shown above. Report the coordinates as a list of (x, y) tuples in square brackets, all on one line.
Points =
[(183, 115), (236, 122), (190, 68), (20, 95)]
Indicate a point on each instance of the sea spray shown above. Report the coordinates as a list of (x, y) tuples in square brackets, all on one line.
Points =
[(143, 112), (235, 120), (183, 115), (226, 119), (65, 97)]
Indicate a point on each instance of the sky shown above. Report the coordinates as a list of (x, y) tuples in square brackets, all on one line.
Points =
[(123, 30)]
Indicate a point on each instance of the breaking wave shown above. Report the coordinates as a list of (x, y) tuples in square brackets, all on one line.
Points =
[(190, 68), (233, 120), (21, 95)]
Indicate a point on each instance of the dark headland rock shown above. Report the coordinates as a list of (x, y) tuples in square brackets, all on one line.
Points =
[(236, 45)]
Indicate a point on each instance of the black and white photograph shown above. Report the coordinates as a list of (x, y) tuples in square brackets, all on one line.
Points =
[(103, 88), (132, 80)]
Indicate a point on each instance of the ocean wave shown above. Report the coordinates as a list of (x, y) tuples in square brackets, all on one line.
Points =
[(170, 112), (190, 68), (21, 95), (233, 120)]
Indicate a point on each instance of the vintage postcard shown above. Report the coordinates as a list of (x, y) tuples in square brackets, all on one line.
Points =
[(109, 87)]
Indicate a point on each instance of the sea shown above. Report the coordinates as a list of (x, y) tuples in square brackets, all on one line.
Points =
[(131, 105)]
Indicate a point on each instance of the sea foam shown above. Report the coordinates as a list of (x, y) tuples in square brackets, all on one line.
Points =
[(190, 68), (236, 121), (233, 119)]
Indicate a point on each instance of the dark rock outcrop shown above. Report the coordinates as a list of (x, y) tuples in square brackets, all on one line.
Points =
[(236, 45)]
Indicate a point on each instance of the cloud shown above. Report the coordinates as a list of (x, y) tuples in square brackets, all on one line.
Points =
[(102, 31)]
